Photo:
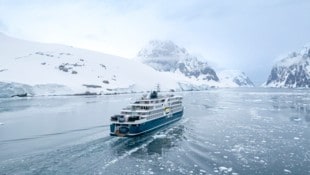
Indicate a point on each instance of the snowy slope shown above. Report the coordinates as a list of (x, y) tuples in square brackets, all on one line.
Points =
[(292, 71), (51, 69), (234, 78)]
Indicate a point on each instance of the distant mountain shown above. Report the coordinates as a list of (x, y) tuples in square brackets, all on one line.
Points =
[(234, 78), (166, 56), (32, 69), (292, 71)]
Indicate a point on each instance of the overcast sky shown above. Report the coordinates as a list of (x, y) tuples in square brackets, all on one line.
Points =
[(238, 34)]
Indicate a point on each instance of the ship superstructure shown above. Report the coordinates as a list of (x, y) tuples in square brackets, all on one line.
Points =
[(146, 114)]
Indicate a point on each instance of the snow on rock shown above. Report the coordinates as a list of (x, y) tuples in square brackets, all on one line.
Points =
[(292, 71), (166, 56), (31, 69), (234, 78)]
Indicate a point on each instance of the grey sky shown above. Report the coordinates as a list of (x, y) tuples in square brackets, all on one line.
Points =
[(239, 34)]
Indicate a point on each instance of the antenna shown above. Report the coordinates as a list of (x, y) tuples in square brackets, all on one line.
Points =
[(158, 87)]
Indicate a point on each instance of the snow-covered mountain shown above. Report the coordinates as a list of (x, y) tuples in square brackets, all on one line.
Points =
[(234, 78), (49, 69), (292, 71), (168, 57), (31, 68), (165, 56)]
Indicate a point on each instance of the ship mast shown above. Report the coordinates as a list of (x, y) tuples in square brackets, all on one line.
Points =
[(158, 87)]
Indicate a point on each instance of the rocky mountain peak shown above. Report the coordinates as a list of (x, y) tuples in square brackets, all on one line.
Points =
[(293, 71), (166, 56)]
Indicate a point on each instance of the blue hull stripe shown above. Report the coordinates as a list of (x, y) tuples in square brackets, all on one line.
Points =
[(135, 130)]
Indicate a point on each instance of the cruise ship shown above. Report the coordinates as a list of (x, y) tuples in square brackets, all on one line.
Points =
[(147, 114)]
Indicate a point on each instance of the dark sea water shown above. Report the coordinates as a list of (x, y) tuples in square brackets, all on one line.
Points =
[(223, 131)]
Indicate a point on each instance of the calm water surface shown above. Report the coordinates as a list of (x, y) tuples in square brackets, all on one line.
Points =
[(223, 131)]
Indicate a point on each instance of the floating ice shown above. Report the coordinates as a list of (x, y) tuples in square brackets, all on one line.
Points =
[(287, 171), (203, 171), (222, 168)]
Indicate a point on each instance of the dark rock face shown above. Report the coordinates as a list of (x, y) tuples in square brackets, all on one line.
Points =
[(63, 68), (293, 76), (168, 57), (105, 82), (291, 72), (20, 95), (92, 86), (66, 67)]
